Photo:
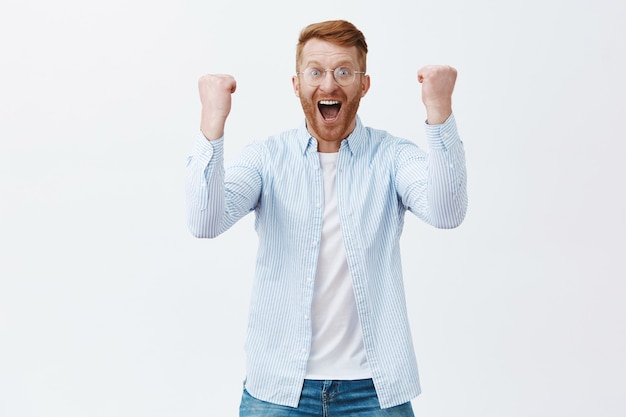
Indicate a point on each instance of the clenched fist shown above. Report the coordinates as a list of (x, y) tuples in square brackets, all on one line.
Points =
[(437, 86), (215, 96)]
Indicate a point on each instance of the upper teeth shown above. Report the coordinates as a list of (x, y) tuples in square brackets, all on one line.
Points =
[(329, 102)]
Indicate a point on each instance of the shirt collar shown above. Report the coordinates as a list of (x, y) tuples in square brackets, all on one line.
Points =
[(354, 142)]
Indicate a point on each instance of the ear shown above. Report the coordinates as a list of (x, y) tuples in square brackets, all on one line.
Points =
[(365, 84), (295, 81)]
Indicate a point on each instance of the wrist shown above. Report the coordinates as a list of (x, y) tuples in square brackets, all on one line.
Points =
[(212, 130), (437, 114)]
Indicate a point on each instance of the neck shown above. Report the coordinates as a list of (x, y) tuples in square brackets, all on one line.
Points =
[(328, 147)]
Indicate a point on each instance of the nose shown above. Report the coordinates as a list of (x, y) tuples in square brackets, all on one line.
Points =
[(328, 82)]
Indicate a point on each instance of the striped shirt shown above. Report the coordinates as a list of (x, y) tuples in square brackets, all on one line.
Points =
[(379, 178)]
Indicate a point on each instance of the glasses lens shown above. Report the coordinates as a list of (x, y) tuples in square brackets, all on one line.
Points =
[(344, 76), (314, 76)]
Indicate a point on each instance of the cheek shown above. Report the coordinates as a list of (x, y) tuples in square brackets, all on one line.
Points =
[(305, 93)]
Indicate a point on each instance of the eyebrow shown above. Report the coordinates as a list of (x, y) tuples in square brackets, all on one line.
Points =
[(343, 63)]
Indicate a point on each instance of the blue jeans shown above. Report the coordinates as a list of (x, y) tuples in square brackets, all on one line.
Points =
[(327, 399)]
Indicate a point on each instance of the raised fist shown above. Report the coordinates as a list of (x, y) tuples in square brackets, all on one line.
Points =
[(437, 86), (215, 96)]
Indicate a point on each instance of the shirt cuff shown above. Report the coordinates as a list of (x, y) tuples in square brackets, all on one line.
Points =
[(442, 136), (208, 151)]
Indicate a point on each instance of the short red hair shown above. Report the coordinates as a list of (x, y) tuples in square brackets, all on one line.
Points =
[(338, 32)]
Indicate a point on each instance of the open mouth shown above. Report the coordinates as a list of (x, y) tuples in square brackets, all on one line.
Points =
[(329, 109)]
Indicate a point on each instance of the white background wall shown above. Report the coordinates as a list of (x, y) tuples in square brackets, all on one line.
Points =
[(108, 306)]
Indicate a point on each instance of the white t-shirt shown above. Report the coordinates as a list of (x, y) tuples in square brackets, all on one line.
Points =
[(337, 350)]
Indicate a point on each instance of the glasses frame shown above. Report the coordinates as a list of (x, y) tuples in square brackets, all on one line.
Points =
[(326, 70)]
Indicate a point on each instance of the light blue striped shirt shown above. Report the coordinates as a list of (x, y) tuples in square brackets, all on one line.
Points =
[(379, 177)]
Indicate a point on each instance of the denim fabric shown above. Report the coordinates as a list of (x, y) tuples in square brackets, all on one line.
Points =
[(327, 399)]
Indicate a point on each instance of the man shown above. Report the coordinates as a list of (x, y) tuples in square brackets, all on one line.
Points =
[(328, 332)]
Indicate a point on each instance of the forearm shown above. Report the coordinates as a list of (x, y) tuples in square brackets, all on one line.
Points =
[(218, 197), (204, 188), (446, 172)]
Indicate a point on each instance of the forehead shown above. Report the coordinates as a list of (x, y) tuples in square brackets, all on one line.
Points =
[(323, 52)]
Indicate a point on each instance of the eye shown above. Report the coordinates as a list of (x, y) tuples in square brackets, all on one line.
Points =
[(343, 72), (315, 72)]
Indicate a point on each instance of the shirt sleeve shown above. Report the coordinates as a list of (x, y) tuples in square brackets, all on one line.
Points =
[(217, 197), (432, 185)]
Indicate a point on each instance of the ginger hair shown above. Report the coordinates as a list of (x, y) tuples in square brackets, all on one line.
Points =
[(338, 32)]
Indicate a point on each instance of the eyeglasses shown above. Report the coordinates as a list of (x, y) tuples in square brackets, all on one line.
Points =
[(344, 76)]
